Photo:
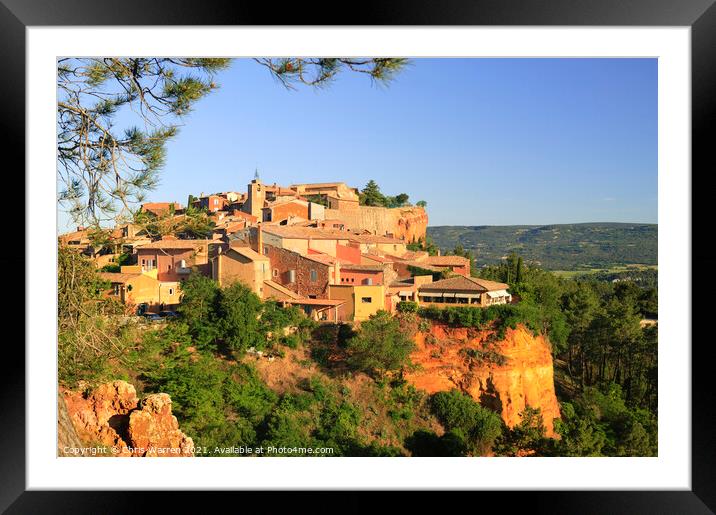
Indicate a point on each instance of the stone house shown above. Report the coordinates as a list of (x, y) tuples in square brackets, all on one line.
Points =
[(307, 276)]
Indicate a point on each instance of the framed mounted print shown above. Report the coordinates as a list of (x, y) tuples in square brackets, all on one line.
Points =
[(423, 252)]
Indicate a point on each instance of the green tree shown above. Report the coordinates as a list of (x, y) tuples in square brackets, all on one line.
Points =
[(580, 435), (239, 311), (88, 333), (401, 199), (380, 346), (518, 270), (528, 438), (371, 195), (421, 203), (458, 412), (199, 306)]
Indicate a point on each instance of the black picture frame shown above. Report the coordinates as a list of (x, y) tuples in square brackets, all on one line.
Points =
[(700, 15)]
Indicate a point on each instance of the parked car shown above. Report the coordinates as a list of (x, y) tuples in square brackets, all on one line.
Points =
[(168, 314), (152, 317)]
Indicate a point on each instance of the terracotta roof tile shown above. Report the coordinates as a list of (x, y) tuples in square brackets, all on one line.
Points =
[(175, 244), (447, 261), (464, 284)]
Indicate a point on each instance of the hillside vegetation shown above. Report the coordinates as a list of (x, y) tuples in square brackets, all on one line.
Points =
[(555, 247), (245, 372)]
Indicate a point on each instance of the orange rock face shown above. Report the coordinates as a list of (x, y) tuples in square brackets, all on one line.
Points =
[(408, 223), (111, 415), (505, 375), (411, 224), (153, 427)]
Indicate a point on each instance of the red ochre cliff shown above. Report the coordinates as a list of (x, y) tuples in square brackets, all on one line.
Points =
[(407, 223), (503, 374), (112, 416)]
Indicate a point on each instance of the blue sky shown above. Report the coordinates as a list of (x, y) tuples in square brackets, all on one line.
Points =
[(483, 141)]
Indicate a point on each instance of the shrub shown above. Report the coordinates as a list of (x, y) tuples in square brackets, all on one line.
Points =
[(459, 412), (380, 346), (292, 341), (407, 306), (526, 438)]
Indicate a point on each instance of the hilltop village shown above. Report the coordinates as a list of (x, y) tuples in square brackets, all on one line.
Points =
[(309, 245)]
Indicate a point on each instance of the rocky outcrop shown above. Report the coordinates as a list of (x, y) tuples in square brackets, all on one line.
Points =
[(111, 416), (505, 374), (153, 427), (408, 223)]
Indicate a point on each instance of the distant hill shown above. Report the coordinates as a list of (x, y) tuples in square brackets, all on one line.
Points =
[(555, 247)]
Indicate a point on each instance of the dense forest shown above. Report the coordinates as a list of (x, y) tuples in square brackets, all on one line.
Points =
[(352, 397), (555, 247)]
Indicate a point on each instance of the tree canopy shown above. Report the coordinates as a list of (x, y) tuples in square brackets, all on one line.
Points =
[(103, 168), (380, 346), (372, 196)]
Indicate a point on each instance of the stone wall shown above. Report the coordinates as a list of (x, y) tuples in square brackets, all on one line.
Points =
[(283, 261)]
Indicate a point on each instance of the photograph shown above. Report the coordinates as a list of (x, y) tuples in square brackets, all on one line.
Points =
[(357, 257)]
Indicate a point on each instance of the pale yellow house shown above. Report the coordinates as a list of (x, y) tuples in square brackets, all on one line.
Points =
[(134, 288), (360, 301)]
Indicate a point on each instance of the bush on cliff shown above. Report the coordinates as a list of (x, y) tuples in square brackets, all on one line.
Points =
[(500, 317), (459, 413), (528, 438), (380, 346)]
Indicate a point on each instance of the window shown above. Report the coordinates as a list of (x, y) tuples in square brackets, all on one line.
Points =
[(116, 289), (275, 272), (366, 300), (266, 250), (314, 275), (171, 291)]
